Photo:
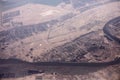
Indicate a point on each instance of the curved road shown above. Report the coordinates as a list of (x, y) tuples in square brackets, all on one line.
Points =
[(112, 25), (11, 68)]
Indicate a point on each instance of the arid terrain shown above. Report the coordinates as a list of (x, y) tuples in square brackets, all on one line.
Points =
[(67, 32)]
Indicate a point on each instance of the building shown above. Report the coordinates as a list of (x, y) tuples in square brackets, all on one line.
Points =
[(30, 13), (76, 4)]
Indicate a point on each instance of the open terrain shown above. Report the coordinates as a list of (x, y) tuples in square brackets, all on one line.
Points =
[(65, 34)]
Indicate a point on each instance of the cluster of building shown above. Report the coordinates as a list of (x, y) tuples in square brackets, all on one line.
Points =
[(83, 3), (19, 15), (27, 13)]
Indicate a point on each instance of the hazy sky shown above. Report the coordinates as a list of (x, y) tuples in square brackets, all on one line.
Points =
[(49, 2), (14, 3)]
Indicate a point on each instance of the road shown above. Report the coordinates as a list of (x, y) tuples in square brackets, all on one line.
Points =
[(12, 68)]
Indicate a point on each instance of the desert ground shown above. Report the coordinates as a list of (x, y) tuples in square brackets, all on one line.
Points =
[(63, 34)]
